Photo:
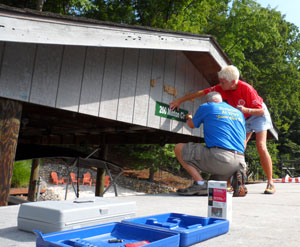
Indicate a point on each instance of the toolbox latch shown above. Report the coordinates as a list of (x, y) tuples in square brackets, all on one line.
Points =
[(103, 211)]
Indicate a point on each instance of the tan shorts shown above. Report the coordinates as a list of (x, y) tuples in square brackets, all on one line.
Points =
[(220, 163)]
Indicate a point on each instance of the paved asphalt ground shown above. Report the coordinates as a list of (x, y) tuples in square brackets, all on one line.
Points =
[(258, 220)]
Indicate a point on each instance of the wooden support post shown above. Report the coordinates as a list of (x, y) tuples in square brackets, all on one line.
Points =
[(34, 178), (39, 5), (10, 117), (101, 172)]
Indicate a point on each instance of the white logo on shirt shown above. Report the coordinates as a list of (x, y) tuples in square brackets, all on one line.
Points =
[(241, 102)]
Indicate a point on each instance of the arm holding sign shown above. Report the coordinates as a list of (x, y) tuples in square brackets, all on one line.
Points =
[(189, 121), (176, 103)]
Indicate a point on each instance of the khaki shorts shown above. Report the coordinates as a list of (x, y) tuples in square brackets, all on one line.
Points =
[(220, 163)]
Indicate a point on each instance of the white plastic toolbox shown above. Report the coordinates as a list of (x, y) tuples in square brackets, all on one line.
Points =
[(54, 216)]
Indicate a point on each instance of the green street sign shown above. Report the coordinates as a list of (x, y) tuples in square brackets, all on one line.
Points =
[(163, 110)]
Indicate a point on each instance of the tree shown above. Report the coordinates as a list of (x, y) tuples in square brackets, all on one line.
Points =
[(180, 15), (150, 156)]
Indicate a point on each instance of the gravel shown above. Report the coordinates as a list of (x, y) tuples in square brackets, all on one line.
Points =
[(57, 192)]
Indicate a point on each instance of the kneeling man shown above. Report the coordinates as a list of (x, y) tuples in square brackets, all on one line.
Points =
[(223, 154)]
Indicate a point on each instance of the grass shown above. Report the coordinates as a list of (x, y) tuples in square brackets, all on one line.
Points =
[(21, 174)]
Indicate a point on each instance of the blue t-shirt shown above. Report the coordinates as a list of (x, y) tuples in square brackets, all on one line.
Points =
[(224, 126)]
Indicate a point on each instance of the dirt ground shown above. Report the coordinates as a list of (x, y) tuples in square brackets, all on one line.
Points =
[(160, 177)]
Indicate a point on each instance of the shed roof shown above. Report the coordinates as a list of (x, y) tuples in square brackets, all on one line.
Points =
[(30, 26)]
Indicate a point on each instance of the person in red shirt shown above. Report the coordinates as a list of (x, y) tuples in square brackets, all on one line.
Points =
[(243, 96)]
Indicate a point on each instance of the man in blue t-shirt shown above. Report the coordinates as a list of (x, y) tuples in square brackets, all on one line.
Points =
[(224, 135)]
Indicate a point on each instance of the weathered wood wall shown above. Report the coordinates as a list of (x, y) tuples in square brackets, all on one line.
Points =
[(113, 83)]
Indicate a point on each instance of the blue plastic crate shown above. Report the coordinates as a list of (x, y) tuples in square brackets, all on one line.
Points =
[(192, 229), (98, 236)]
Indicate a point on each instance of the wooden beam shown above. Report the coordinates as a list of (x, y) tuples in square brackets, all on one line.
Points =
[(10, 115), (101, 172), (39, 5), (18, 27), (34, 178)]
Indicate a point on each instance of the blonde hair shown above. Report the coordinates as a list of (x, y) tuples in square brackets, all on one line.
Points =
[(229, 73), (214, 97)]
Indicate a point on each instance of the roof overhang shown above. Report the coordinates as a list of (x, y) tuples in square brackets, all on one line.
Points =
[(29, 26)]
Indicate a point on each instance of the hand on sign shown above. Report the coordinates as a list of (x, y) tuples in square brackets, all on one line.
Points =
[(175, 105), (188, 116)]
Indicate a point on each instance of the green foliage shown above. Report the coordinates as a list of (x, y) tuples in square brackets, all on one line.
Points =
[(150, 156), (180, 15), (31, 4), (21, 174), (154, 156), (255, 170)]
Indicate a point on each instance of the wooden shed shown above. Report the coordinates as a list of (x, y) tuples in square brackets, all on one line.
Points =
[(71, 80)]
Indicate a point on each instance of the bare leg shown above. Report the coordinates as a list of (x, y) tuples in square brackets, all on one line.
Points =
[(248, 136), (265, 159), (190, 169)]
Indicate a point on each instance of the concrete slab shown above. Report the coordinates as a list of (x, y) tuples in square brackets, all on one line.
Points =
[(257, 219)]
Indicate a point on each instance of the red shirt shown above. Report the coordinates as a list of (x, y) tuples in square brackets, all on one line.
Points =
[(244, 95)]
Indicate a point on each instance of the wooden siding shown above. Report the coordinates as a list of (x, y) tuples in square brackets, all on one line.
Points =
[(181, 60), (128, 85), (142, 89), (92, 81), (46, 75), (156, 91), (113, 83), (17, 70), (169, 81), (69, 84)]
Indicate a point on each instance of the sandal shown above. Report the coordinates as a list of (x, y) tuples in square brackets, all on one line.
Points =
[(270, 189)]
